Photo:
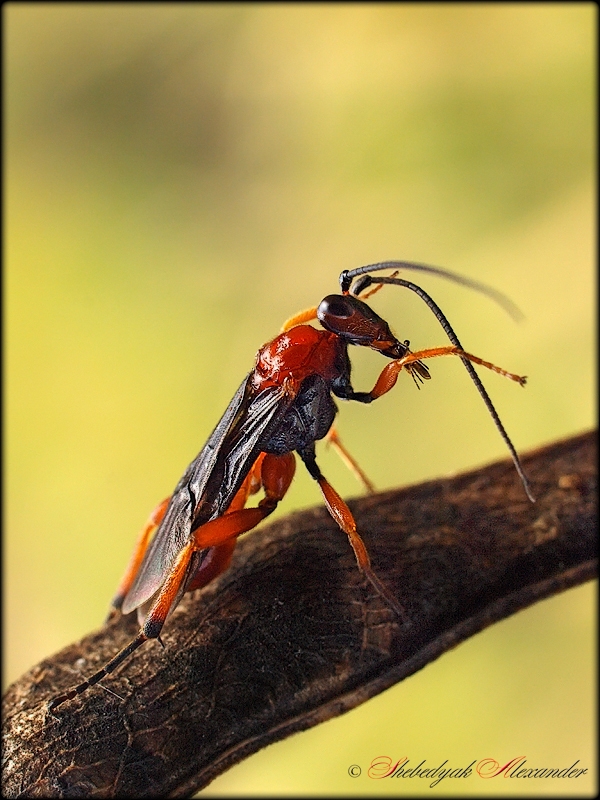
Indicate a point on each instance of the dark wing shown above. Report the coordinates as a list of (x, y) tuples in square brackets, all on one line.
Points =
[(210, 483)]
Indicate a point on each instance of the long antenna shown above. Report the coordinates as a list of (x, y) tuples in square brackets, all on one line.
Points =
[(345, 281), (507, 304)]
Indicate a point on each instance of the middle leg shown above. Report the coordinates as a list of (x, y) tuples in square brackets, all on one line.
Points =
[(344, 518)]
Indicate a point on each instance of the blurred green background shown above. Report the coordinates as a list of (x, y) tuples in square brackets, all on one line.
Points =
[(179, 179)]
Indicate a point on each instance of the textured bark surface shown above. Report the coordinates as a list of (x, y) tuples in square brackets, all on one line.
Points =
[(291, 635)]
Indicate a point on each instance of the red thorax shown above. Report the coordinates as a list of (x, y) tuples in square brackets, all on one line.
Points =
[(296, 354)]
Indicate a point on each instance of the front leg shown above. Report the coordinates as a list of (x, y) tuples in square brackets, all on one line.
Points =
[(389, 375)]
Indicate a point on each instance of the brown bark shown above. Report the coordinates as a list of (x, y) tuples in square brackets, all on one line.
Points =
[(291, 635)]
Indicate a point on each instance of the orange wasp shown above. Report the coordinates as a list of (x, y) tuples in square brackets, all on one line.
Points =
[(284, 405)]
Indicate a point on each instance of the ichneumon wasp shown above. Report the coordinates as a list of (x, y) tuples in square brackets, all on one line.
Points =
[(283, 406)]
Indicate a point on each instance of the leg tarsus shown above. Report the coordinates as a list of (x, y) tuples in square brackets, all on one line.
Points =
[(389, 374)]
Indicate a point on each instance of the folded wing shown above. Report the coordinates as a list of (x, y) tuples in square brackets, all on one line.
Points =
[(210, 483)]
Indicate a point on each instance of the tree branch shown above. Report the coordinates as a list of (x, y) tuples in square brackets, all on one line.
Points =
[(291, 635)]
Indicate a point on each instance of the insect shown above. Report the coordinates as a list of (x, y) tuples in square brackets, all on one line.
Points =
[(283, 406)]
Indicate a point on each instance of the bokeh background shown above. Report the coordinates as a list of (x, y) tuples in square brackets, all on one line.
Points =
[(179, 179)]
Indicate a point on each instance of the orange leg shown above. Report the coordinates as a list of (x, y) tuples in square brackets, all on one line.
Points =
[(389, 375), (277, 473), (139, 549), (149, 630), (251, 485), (217, 561), (334, 440), (218, 558), (343, 516)]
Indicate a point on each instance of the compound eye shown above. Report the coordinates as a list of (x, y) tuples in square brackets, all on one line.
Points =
[(345, 316), (356, 323), (334, 305)]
